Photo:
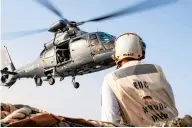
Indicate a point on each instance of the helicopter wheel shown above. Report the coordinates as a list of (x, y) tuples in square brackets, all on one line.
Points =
[(76, 85), (51, 81), (3, 79), (38, 81)]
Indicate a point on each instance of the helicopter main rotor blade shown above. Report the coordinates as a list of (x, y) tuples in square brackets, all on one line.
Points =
[(140, 7), (47, 4), (14, 35)]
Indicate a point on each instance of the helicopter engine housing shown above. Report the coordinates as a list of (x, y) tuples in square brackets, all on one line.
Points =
[(61, 25)]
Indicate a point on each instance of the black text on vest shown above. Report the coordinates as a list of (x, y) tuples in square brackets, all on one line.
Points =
[(140, 84)]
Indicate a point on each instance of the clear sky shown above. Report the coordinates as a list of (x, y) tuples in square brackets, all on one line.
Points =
[(166, 31)]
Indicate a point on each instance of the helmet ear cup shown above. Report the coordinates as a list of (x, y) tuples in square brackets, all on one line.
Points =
[(143, 50)]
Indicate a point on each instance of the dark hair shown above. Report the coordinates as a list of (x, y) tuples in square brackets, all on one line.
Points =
[(143, 47), (143, 50)]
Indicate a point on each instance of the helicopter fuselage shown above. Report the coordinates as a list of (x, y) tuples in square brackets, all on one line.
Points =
[(78, 66), (83, 54)]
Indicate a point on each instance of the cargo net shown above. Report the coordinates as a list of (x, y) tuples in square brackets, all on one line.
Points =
[(27, 116)]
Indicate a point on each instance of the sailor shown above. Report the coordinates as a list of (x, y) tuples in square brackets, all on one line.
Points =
[(136, 93)]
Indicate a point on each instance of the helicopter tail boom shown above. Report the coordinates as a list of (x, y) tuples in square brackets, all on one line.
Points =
[(7, 69)]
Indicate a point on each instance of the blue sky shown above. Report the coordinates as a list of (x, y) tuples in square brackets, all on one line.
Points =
[(166, 31)]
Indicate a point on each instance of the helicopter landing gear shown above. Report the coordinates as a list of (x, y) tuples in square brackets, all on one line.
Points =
[(38, 81), (62, 78), (75, 84), (51, 81), (4, 78)]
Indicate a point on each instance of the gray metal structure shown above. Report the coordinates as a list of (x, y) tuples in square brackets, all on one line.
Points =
[(84, 54), (71, 52)]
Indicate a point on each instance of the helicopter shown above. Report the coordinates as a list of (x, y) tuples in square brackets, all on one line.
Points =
[(72, 51)]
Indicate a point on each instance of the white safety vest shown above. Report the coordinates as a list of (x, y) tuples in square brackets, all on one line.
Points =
[(143, 93)]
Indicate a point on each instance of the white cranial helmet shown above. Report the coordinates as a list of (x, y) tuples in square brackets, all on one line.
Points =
[(129, 45)]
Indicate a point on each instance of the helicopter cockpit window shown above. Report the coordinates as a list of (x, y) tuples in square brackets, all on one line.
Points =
[(49, 53), (107, 40), (96, 46)]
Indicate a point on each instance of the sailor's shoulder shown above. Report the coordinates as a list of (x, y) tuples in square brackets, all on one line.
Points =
[(157, 66)]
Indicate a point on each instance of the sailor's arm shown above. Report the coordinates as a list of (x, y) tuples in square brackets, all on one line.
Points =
[(110, 107)]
